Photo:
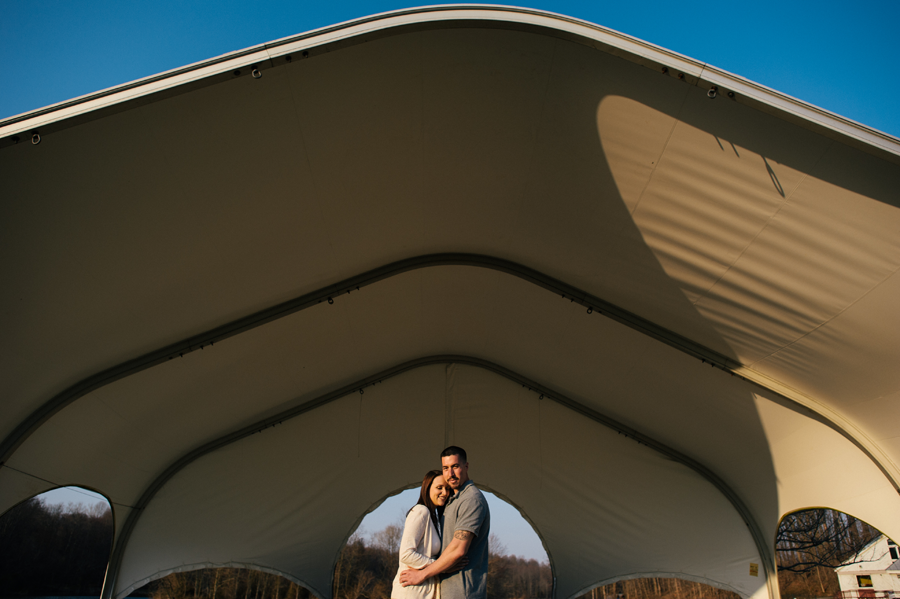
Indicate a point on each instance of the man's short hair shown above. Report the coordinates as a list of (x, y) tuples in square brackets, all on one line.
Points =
[(454, 450)]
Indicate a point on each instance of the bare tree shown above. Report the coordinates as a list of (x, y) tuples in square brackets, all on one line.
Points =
[(496, 546), (811, 539), (389, 538)]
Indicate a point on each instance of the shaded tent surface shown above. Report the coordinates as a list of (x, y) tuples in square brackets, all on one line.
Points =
[(247, 309)]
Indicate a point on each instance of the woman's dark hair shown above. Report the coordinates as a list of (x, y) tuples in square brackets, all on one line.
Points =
[(425, 497)]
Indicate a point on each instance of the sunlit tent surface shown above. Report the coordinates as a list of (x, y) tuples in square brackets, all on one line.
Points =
[(249, 299)]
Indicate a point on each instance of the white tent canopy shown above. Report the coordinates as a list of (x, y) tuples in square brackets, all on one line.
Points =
[(249, 299)]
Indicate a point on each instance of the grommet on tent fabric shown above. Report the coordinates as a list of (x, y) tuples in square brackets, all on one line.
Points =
[(361, 391), (330, 301), (36, 138), (665, 70), (589, 310), (15, 139), (731, 95), (542, 396), (256, 73), (305, 54), (236, 73), (287, 58), (713, 92)]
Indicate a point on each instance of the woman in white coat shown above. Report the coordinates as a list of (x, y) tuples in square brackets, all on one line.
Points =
[(421, 542)]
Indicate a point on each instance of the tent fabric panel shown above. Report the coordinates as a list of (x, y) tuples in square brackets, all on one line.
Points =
[(16, 487), (700, 220), (575, 465), (841, 248), (260, 500), (256, 497), (428, 312), (178, 267), (619, 266), (722, 230), (385, 320), (817, 467), (852, 357)]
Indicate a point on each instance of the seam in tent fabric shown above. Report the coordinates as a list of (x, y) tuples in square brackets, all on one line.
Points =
[(765, 226), (661, 153), (836, 315), (57, 485)]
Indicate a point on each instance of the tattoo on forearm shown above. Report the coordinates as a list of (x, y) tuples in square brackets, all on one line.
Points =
[(463, 535)]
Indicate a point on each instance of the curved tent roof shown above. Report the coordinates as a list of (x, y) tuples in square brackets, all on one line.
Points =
[(249, 299)]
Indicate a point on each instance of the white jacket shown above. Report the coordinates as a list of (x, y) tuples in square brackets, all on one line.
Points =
[(420, 545)]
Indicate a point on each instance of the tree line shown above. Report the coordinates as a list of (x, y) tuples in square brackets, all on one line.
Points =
[(63, 550), (658, 588), (367, 570), (54, 549), (225, 583)]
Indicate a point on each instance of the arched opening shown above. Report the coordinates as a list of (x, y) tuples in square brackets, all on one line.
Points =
[(822, 552), (223, 583), (518, 563), (56, 543), (658, 588)]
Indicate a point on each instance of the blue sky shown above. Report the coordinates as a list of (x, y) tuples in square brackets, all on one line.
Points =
[(513, 531), (837, 55), (67, 495)]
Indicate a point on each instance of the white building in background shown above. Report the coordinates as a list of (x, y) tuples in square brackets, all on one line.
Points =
[(873, 573)]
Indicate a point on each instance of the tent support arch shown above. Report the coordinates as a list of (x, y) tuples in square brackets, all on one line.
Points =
[(536, 530), (595, 304), (762, 545), (191, 567), (639, 575)]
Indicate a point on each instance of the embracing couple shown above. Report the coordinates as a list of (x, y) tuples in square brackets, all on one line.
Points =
[(444, 550)]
